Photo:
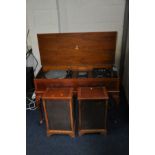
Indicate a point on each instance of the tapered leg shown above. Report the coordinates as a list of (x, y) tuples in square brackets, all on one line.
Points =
[(38, 104)]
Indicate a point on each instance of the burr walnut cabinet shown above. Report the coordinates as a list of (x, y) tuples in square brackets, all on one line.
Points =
[(76, 53)]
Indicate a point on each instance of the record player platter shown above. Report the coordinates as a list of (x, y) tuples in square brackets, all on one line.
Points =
[(53, 74)]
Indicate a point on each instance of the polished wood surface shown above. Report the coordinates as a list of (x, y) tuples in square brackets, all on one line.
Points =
[(58, 93), (112, 84), (92, 93), (77, 50), (101, 131)]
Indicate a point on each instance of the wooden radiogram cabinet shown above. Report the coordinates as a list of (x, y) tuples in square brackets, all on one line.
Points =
[(89, 52)]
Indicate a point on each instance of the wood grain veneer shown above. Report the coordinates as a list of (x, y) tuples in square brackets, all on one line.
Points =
[(75, 50)]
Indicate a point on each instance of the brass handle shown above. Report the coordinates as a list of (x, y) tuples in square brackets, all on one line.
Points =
[(76, 47)]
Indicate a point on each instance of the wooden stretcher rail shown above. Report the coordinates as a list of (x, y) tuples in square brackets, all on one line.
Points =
[(112, 84)]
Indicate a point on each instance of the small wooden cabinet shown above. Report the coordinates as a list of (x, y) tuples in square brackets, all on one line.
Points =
[(58, 108), (93, 104)]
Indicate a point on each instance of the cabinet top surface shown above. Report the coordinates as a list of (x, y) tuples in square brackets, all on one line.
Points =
[(58, 93), (90, 93)]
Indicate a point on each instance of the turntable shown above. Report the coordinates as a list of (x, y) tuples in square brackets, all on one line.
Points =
[(56, 74)]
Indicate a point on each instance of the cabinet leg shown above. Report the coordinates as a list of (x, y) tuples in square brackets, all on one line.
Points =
[(48, 134), (80, 134), (116, 98), (38, 104), (41, 118), (72, 135), (103, 133)]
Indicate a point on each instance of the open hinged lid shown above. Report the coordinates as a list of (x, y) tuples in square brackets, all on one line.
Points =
[(77, 50)]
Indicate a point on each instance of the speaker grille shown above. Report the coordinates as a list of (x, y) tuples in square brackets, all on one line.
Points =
[(93, 114), (58, 114)]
